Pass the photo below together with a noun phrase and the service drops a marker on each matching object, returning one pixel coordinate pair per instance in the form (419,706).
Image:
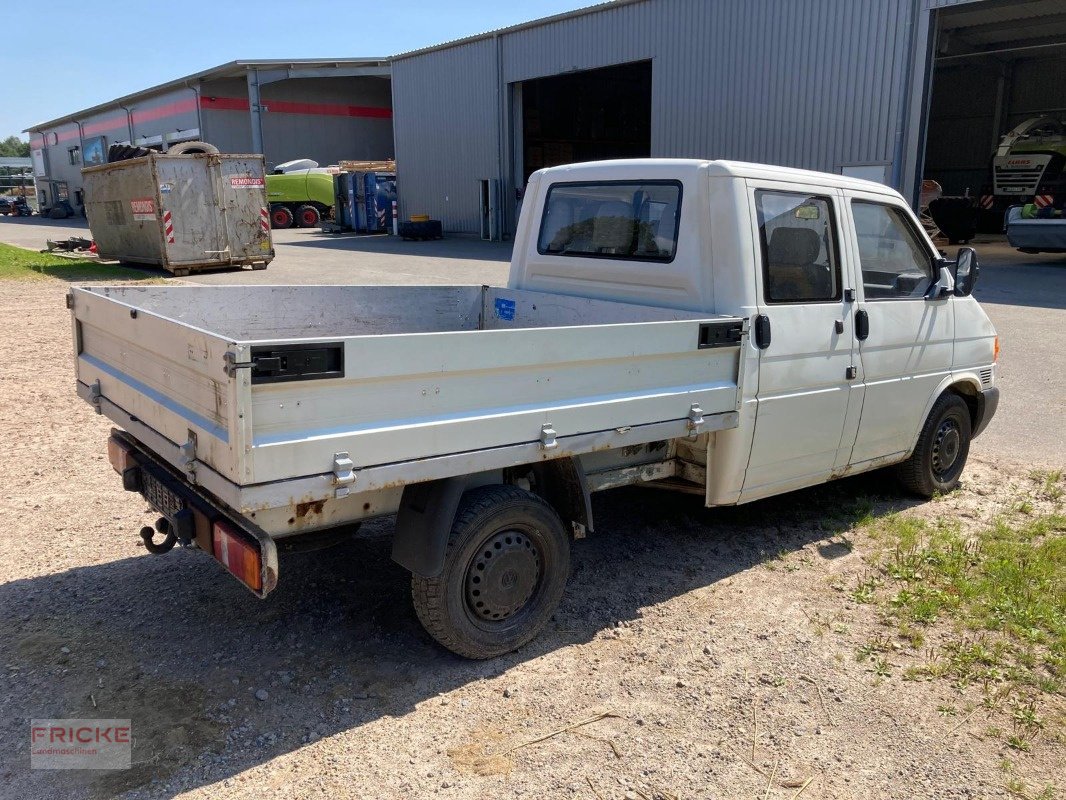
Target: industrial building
(897,91)
(892,90)
(324,110)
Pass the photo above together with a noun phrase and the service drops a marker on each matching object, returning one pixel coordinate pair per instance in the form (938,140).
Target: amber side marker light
(995,350)
(120,456)
(238,555)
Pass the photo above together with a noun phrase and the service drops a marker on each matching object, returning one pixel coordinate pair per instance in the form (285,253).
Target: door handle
(862,324)
(762,331)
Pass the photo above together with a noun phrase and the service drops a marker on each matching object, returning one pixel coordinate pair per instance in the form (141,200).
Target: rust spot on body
(311,507)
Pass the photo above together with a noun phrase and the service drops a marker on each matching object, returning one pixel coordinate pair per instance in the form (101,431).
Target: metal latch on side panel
(95,393)
(187,454)
(720,334)
(695,420)
(343,474)
(547,436)
(232,364)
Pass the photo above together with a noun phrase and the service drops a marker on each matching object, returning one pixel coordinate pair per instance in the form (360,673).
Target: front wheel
(938,459)
(505,569)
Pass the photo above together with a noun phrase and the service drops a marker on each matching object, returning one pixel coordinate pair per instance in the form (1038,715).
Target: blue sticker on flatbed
(504,309)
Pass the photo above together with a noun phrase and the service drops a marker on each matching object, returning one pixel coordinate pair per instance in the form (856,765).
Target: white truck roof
(620,169)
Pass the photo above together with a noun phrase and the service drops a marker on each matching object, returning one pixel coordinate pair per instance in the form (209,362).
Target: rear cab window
(622,220)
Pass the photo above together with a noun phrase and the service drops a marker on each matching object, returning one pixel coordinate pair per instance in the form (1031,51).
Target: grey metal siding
(326,119)
(342,122)
(929,4)
(165,113)
(446,116)
(819,84)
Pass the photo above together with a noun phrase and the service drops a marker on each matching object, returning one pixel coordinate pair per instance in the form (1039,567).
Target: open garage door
(586,116)
(997,113)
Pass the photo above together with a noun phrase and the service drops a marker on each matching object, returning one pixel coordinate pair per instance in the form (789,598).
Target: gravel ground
(698,633)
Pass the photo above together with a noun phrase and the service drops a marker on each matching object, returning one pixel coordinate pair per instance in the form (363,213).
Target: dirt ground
(701,637)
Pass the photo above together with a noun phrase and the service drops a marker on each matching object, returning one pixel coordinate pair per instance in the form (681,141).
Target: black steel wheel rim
(503,577)
(947,444)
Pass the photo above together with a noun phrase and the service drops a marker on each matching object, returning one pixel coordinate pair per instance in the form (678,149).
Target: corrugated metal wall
(947,3)
(326,119)
(165,113)
(446,121)
(809,83)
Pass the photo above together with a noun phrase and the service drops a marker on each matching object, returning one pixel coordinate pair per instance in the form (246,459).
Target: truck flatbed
(272,397)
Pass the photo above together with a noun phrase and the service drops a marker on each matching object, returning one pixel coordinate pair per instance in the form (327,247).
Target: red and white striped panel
(168,227)
(264,220)
(986,201)
(1043,200)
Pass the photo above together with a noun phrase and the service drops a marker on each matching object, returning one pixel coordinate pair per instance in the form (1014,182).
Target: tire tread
(428,594)
(912,473)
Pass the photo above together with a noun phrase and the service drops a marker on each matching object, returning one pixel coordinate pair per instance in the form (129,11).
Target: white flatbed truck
(729,330)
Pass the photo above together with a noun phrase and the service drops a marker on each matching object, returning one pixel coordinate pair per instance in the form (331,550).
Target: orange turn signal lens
(995,350)
(237,554)
(120,456)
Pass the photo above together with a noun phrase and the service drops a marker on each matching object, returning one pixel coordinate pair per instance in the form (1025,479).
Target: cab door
(905,335)
(808,380)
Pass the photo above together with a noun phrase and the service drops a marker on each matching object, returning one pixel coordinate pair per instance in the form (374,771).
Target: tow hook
(169,538)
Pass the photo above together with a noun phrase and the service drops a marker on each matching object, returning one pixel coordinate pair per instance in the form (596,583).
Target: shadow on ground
(79,271)
(176,645)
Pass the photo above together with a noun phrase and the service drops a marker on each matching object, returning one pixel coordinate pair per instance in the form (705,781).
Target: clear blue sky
(76,54)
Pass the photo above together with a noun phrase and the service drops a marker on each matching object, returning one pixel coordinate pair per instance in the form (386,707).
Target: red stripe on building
(290,107)
(188,105)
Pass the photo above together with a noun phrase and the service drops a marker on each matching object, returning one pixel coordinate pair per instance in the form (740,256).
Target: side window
(799,247)
(895,264)
(618,220)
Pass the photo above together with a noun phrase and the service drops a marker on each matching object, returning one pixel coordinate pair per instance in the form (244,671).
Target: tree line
(14,147)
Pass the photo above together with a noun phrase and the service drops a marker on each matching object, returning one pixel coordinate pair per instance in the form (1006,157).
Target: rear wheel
(505,569)
(308,217)
(943,446)
(281,217)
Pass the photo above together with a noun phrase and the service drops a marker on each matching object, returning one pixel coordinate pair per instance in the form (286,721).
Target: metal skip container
(184,213)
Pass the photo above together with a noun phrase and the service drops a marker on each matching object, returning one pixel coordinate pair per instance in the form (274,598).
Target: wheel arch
(427,510)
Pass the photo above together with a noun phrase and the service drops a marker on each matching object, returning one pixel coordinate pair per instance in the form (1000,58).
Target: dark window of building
(586,116)
(74,154)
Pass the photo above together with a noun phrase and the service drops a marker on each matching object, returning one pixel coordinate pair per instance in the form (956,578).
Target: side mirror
(966,271)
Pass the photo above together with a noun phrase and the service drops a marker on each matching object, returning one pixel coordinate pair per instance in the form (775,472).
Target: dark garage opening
(998,66)
(586,116)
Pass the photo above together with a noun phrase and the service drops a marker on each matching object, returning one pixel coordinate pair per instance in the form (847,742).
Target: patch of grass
(19,264)
(997,598)
(1050,483)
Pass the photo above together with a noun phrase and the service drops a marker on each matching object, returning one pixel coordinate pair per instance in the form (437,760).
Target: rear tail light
(120,456)
(237,554)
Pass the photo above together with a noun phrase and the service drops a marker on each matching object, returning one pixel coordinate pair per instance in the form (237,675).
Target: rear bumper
(195,513)
(987,403)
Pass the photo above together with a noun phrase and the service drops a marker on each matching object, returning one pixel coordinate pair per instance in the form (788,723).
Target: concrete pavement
(1025,296)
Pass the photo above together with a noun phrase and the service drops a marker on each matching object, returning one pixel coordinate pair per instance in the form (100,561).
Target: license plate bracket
(159,496)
